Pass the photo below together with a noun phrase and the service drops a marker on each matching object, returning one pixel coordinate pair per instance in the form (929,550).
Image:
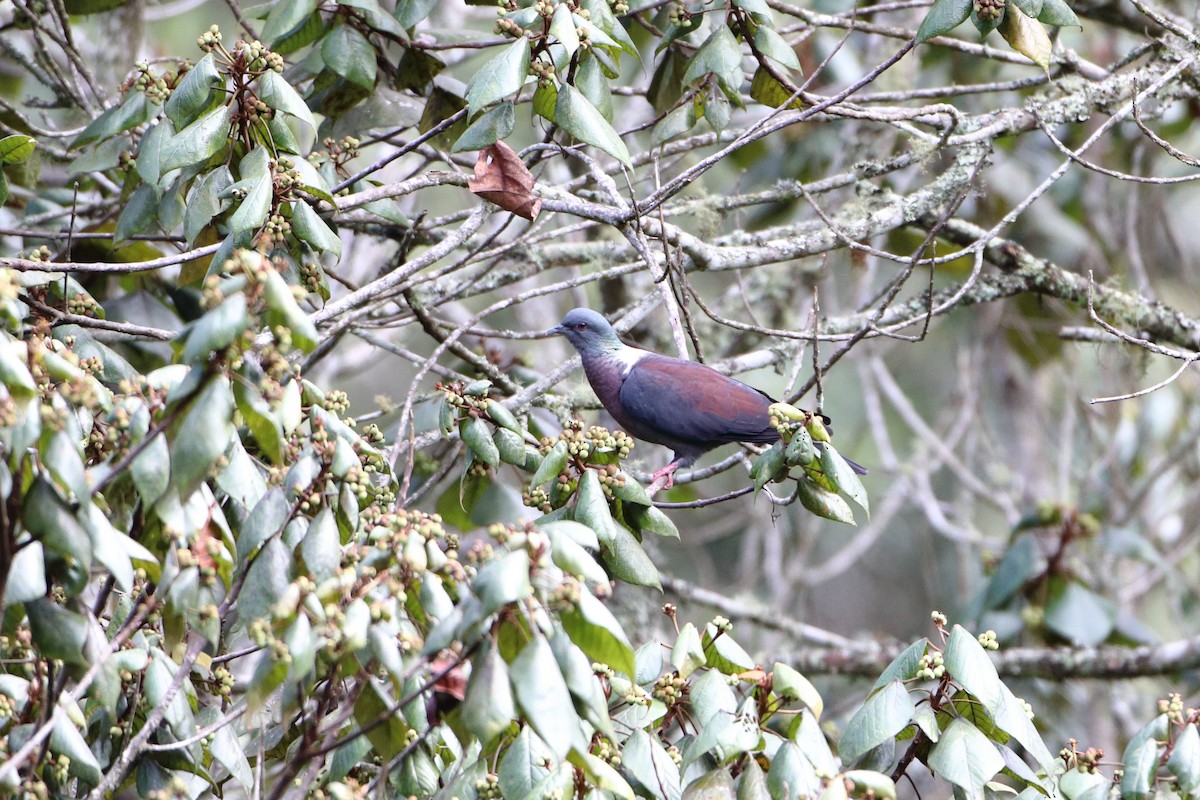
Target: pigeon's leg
(663,478)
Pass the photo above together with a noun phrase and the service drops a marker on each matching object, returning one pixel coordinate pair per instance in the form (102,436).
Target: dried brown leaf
(1026,36)
(501,177)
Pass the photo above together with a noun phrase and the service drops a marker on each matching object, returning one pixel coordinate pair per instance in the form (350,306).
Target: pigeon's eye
(581,326)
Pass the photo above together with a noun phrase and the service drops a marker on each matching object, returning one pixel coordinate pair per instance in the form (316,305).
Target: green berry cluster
(987,640)
(40,253)
(1172,706)
(670,689)
(259,57)
(156,87)
(677,14)
(209,40)
(488,787)
(1087,761)
(536,497)
(931,667)
(608,752)
(989,10)
(508,27)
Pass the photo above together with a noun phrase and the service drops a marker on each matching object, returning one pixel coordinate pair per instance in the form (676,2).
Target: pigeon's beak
(557,330)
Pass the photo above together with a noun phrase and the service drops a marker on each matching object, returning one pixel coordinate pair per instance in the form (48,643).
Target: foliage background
(986,249)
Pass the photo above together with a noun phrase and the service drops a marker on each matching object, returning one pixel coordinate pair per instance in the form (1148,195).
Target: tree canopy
(296,500)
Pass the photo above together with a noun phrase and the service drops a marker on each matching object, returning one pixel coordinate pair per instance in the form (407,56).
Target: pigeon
(688,407)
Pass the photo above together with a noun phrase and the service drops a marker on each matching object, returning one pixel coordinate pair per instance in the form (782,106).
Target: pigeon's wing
(685,402)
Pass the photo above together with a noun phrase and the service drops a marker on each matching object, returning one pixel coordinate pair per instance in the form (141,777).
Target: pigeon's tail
(854,465)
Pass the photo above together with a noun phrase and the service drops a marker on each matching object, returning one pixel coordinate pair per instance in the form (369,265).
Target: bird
(686,406)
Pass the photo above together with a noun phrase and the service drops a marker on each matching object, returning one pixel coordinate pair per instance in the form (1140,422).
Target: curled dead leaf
(501,177)
(1027,36)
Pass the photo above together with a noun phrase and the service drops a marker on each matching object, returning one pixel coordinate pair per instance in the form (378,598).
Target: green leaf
(578,117)
(598,773)
(720,55)
(1012,718)
(488,707)
(884,715)
(790,684)
(57,632)
(545,97)
(524,766)
(591,81)
(673,32)
(216,330)
(321,547)
(1031,7)
(943,17)
(1141,758)
(286,18)
(1078,614)
(723,653)
(198,142)
(139,213)
(627,561)
(582,683)
(15,375)
(276,92)
(765,89)
(65,464)
(843,476)
(1057,12)
(591,508)
(27,574)
(194,455)
(253,210)
(969,665)
(791,775)
(283,310)
(562,28)
(648,518)
(903,666)
(645,759)
(601,18)
(410,12)
(687,655)
(768,466)
(573,559)
(1184,761)
(205,201)
(580,534)
(596,632)
(133,111)
(492,126)
(312,230)
(478,438)
(965,757)
(199,87)
(543,698)
(823,502)
(775,47)
(150,149)
(348,54)
(551,465)
(503,75)
(52,522)
(65,739)
(16,148)
(502,581)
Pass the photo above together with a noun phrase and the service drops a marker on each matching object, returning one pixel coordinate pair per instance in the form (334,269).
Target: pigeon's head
(589,332)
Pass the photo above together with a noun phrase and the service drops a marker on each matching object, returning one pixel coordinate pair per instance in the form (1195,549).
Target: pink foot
(663,478)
